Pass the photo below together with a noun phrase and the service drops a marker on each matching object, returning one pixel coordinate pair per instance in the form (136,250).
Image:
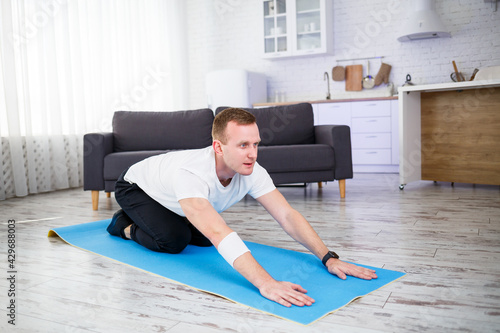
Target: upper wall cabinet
(297,27)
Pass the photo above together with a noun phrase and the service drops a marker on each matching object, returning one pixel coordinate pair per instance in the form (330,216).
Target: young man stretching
(171,200)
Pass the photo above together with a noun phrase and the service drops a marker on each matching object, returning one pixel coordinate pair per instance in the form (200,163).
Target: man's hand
(341,269)
(286,293)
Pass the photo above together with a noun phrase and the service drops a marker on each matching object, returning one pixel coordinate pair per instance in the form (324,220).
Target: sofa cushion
(296,158)
(145,130)
(284,125)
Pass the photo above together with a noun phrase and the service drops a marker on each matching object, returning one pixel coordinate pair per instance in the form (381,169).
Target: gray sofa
(292,150)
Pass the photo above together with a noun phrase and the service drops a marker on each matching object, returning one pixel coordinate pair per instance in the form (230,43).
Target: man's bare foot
(126,232)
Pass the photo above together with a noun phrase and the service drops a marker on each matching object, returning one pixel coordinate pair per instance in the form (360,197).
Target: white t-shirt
(170,177)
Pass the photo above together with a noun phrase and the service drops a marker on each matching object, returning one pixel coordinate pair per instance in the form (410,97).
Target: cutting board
(353,77)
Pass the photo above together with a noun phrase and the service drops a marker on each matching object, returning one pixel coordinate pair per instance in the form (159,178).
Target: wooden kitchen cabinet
(296,27)
(450,132)
(374,131)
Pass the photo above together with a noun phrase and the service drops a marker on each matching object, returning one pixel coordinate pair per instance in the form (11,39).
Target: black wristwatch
(329,255)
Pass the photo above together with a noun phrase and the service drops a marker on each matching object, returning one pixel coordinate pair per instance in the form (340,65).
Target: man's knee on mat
(173,245)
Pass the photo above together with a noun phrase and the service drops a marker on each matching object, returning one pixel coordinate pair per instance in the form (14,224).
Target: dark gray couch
(292,150)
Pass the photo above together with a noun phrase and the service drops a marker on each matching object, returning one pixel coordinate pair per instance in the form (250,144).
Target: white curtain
(66,66)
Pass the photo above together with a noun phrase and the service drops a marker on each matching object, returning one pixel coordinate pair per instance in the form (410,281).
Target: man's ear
(217,145)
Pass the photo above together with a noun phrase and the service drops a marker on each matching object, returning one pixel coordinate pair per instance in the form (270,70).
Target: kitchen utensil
(456,78)
(408,81)
(383,74)
(474,74)
(338,73)
(368,81)
(459,77)
(354,77)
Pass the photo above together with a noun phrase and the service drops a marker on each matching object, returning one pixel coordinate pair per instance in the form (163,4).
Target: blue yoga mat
(204,269)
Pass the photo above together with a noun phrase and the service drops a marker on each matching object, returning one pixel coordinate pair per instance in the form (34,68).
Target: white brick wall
(227,34)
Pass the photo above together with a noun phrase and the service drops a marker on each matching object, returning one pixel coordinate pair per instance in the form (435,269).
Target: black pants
(154,226)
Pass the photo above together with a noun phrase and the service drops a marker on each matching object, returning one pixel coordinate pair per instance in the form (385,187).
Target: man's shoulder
(197,161)
(259,170)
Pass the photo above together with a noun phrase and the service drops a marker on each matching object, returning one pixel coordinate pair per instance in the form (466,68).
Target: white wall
(226,34)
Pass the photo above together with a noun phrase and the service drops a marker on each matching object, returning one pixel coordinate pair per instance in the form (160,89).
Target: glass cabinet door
(297,27)
(308,18)
(275,26)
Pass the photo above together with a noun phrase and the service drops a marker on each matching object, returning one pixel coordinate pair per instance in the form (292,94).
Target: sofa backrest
(284,125)
(146,130)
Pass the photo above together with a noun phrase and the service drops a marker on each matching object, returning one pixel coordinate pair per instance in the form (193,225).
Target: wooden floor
(446,238)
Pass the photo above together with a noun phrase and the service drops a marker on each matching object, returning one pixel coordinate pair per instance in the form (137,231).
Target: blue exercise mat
(204,269)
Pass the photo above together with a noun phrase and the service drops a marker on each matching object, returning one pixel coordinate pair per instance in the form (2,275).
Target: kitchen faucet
(325,77)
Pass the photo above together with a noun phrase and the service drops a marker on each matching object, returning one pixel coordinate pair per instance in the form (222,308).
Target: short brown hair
(240,116)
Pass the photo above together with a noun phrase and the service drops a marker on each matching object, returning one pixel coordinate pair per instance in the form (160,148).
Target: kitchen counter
(450,132)
(327,101)
(450,86)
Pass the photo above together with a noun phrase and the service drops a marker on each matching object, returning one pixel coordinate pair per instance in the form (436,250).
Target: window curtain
(66,66)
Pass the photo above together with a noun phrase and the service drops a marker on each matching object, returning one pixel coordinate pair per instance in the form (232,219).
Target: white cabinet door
(297,27)
(334,113)
(277,28)
(313,26)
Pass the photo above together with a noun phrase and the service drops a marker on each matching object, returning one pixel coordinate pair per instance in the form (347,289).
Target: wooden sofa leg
(95,200)
(320,184)
(108,194)
(342,188)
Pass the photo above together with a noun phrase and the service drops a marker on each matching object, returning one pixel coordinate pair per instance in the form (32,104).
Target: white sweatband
(232,247)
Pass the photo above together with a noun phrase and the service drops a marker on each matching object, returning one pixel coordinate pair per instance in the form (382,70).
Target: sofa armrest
(339,138)
(95,147)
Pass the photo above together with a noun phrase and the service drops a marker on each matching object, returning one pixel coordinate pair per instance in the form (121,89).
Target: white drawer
(371,109)
(371,125)
(369,140)
(371,156)
(334,113)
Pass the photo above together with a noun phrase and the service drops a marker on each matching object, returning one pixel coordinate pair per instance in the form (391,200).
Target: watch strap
(329,255)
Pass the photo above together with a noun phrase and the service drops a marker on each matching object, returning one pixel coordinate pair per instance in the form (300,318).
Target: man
(172,200)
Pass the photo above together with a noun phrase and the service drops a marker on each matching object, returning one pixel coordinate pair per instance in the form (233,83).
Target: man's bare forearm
(299,229)
(251,270)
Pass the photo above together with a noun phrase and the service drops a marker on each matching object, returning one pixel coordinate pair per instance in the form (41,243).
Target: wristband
(232,247)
